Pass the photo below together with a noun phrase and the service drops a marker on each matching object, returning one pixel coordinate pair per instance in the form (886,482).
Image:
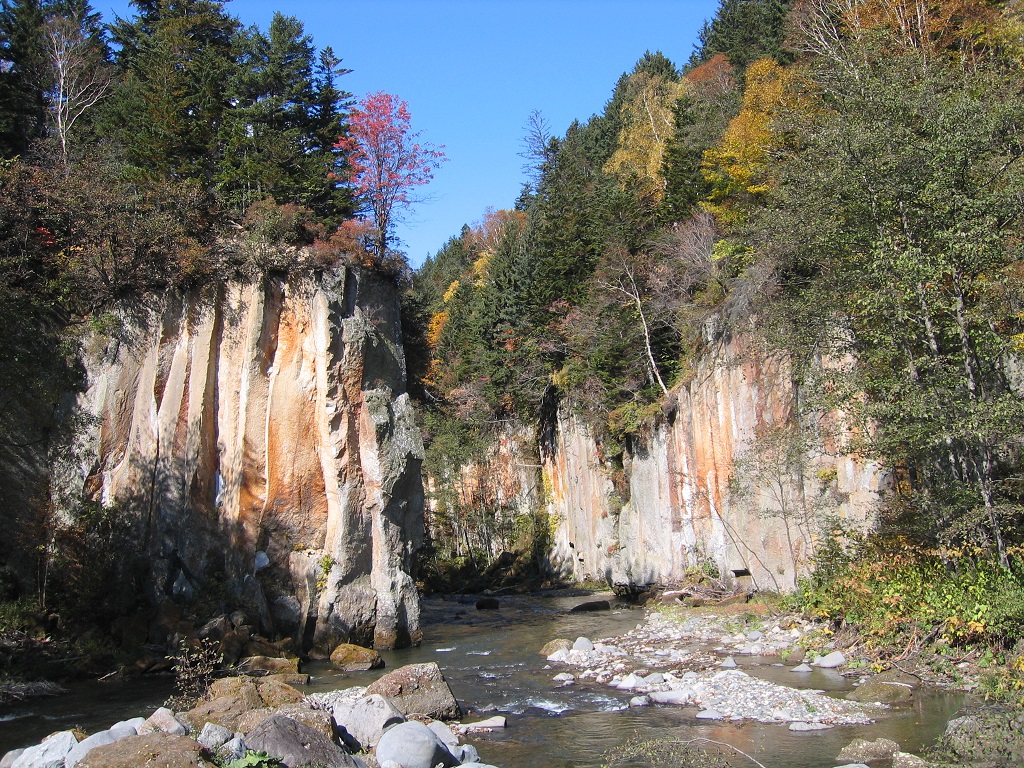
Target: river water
(491,661)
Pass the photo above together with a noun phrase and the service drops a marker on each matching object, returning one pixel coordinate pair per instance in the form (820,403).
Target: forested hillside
(841,181)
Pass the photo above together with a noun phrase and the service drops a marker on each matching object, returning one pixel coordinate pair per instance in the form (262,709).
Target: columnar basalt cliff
(713,482)
(262,433)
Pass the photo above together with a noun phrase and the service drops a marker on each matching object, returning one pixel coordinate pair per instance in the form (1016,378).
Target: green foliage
(744,30)
(893,589)
(255,760)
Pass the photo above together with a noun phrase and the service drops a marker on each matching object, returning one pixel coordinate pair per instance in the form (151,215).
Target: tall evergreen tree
(24,75)
(744,30)
(168,110)
(278,138)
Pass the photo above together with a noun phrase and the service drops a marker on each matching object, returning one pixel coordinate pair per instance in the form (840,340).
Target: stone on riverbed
(863,750)
(162,749)
(583,644)
(413,745)
(593,605)
(892,687)
(354,658)
(163,720)
(799,725)
(366,719)
(680,698)
(296,744)
(552,646)
(82,748)
(418,689)
(801,668)
(490,724)
(49,754)
(831,661)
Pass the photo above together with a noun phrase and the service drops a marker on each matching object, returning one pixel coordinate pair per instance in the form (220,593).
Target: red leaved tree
(387,162)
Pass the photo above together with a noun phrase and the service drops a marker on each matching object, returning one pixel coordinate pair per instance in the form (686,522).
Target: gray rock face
(418,689)
(214,736)
(413,745)
(82,748)
(296,744)
(314,512)
(366,719)
(51,753)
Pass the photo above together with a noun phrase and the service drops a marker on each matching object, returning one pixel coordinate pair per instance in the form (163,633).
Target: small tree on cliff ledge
(387,161)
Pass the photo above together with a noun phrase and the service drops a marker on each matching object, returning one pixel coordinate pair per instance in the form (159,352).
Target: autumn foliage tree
(388,162)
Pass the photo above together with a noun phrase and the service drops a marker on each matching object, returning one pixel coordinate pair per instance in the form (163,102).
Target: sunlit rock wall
(671,505)
(262,433)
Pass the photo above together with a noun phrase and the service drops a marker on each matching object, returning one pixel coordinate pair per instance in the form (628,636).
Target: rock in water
(583,644)
(487,604)
(833,660)
(355,658)
(593,605)
(413,745)
(552,646)
(418,689)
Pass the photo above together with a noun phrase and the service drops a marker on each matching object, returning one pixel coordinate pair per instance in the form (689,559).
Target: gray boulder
(833,660)
(163,720)
(418,689)
(82,748)
(8,759)
(862,750)
(296,744)
(51,753)
(214,736)
(232,750)
(583,644)
(413,745)
(365,719)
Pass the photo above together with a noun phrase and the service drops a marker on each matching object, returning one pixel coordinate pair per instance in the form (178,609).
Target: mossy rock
(553,646)
(354,658)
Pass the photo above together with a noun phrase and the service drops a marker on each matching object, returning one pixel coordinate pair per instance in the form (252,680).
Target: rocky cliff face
(723,479)
(262,435)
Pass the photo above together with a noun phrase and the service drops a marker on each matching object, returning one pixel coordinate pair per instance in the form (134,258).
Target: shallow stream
(491,661)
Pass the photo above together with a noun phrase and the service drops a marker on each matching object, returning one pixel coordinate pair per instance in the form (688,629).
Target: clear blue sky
(473,70)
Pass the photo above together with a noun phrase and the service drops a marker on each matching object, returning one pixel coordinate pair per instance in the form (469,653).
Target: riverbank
(490,659)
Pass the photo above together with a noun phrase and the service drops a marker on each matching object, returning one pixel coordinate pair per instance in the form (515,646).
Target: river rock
(552,646)
(891,687)
(559,655)
(592,605)
(490,724)
(709,714)
(82,748)
(296,744)
(863,750)
(317,719)
(354,658)
(680,698)
(802,726)
(831,661)
(630,682)
(50,753)
(907,760)
(418,689)
(126,728)
(583,644)
(153,750)
(413,745)
(366,719)
(214,736)
(163,720)
(232,750)
(8,759)
(640,701)
(801,668)
(728,663)
(232,697)
(273,664)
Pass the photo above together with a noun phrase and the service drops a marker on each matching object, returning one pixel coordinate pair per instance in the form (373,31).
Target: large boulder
(295,744)
(232,697)
(418,689)
(154,750)
(316,719)
(553,646)
(273,664)
(366,719)
(892,687)
(354,658)
(413,745)
(863,750)
(51,753)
